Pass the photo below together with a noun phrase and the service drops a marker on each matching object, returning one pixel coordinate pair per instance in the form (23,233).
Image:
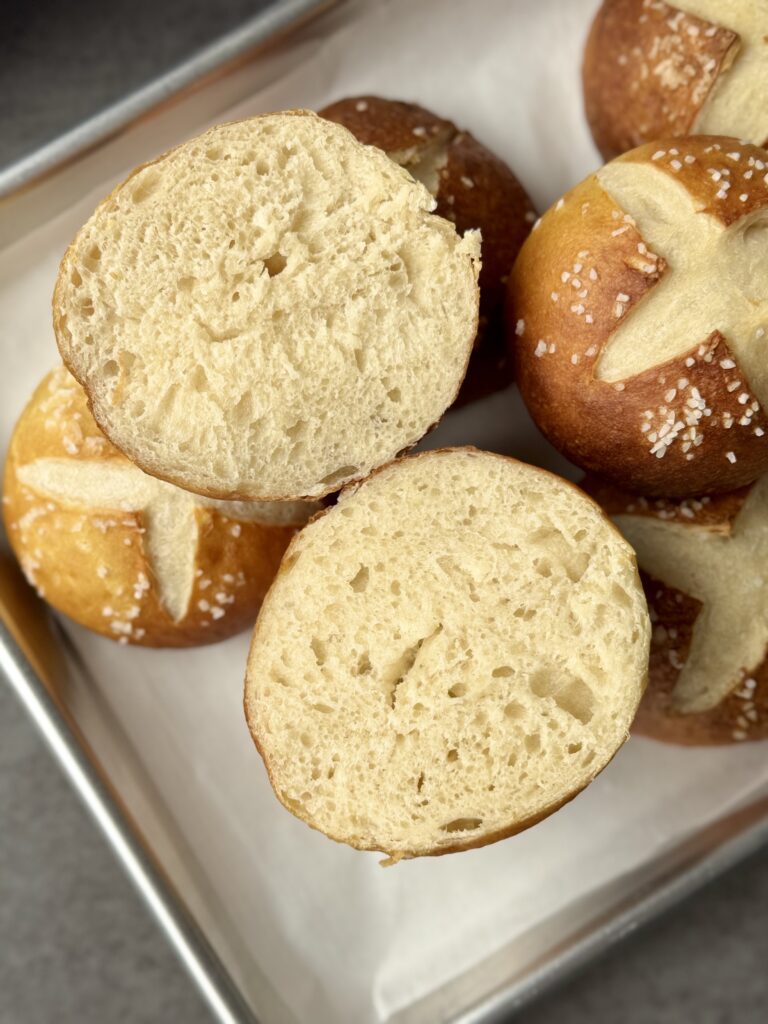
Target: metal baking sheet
(154,741)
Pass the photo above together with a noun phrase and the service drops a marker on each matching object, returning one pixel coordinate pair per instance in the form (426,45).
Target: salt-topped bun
(655,69)
(643,318)
(123,553)
(704,566)
(446,656)
(474,188)
(268,311)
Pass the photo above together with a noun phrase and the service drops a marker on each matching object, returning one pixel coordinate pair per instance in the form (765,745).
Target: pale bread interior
(451,652)
(729,574)
(736,105)
(168,513)
(715,280)
(268,311)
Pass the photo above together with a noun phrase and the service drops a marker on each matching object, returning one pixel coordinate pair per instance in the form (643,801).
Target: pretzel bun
(653,69)
(704,567)
(474,189)
(268,311)
(446,656)
(124,554)
(642,335)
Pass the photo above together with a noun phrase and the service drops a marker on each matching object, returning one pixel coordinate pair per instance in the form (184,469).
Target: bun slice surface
(268,311)
(446,656)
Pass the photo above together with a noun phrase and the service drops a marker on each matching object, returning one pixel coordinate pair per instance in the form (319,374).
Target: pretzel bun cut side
(473,188)
(446,656)
(268,311)
(703,566)
(122,553)
(642,330)
(653,69)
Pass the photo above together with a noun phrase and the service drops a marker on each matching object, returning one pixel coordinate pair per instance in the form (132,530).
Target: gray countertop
(76,945)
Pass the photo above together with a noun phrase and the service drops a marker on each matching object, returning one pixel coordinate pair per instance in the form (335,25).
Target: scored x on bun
(642,333)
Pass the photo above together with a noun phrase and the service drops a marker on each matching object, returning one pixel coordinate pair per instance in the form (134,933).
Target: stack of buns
(277,310)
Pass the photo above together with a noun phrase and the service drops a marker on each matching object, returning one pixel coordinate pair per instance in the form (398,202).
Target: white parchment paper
(337,937)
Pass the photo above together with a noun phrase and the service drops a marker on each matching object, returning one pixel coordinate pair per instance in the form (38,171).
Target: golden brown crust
(91,564)
(586,243)
(394,856)
(473,189)
(648,69)
(743,714)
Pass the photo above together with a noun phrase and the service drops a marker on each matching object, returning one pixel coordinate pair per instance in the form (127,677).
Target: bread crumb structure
(644,313)
(654,69)
(447,656)
(704,565)
(268,311)
(473,188)
(125,554)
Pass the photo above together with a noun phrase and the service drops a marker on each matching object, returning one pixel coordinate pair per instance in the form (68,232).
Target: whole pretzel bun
(474,188)
(642,330)
(123,554)
(653,69)
(704,566)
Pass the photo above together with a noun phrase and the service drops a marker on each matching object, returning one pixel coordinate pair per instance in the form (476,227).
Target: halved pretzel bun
(474,188)
(268,311)
(653,69)
(446,656)
(704,567)
(641,345)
